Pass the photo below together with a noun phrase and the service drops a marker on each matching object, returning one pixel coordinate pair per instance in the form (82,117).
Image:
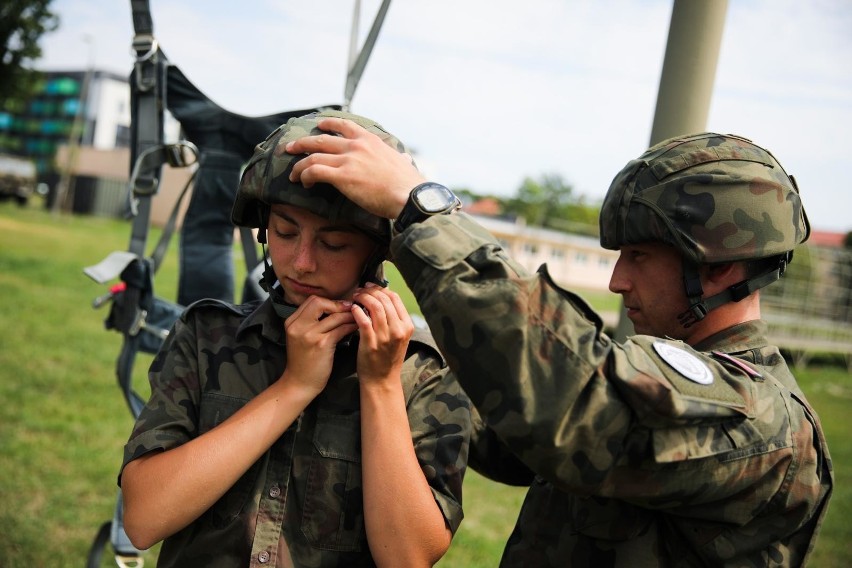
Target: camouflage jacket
(647,453)
(301,503)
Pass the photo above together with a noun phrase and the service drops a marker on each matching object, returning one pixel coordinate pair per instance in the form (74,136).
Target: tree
(550,202)
(22,23)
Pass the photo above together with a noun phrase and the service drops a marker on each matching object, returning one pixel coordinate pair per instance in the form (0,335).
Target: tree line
(546,201)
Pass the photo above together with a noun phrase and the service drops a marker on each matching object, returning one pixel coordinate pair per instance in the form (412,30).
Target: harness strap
(147,104)
(169,228)
(147,88)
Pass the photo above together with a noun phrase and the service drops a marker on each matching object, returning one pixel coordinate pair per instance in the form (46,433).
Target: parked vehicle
(17,178)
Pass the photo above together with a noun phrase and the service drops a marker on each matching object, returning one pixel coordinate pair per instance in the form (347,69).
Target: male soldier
(276,437)
(690,444)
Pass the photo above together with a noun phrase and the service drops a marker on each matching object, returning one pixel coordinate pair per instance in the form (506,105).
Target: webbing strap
(698,307)
(147,84)
(146,94)
(169,228)
(142,22)
(249,248)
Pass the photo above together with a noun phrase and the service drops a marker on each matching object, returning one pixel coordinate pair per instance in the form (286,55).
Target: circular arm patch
(684,363)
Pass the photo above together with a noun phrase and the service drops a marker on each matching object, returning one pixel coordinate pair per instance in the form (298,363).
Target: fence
(809,311)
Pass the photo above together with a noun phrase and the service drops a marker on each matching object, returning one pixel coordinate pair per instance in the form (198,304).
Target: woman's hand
(401,532)
(385,328)
(313,332)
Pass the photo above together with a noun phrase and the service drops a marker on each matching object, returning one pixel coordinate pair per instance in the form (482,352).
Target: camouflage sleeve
(575,408)
(502,331)
(490,457)
(169,418)
(439,417)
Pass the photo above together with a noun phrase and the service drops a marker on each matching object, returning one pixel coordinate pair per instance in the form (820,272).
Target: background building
(78,124)
(97,101)
(574,261)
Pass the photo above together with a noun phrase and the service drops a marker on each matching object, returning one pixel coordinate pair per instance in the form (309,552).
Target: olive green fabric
(716,198)
(301,503)
(646,453)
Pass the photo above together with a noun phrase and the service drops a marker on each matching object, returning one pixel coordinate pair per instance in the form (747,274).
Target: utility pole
(64,198)
(686,82)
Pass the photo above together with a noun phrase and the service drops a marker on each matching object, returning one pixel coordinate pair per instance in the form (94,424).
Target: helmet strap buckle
(694,291)
(693,314)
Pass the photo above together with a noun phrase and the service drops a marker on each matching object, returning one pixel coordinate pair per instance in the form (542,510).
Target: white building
(574,261)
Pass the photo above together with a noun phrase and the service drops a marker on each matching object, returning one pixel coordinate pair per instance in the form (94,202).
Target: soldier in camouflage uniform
(317,428)
(689,444)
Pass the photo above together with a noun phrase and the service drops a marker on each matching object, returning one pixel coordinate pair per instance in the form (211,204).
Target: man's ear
(720,276)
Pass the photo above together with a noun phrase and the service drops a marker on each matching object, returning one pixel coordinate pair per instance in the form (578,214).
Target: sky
(489,92)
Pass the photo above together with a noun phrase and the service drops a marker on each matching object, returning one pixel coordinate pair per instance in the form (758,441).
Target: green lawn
(63,421)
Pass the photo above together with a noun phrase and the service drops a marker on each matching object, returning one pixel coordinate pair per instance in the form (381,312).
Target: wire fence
(809,311)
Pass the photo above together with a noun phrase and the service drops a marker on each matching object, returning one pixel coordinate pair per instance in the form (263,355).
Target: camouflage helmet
(716,198)
(265,180)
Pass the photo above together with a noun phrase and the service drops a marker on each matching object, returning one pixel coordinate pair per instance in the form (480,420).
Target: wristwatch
(424,201)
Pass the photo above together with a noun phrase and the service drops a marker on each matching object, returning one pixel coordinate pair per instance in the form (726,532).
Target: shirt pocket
(231,507)
(333,514)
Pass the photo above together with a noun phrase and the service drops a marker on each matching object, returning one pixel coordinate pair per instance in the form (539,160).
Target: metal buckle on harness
(146,45)
(178,155)
(181,154)
(145,48)
(129,561)
(140,322)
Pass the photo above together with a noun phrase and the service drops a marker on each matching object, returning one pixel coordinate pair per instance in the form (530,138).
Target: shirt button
(263,557)
(275,491)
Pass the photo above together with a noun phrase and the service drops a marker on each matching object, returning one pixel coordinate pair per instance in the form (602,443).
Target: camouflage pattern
(716,198)
(265,179)
(301,503)
(635,463)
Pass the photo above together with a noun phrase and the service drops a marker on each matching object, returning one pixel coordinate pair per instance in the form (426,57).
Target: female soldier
(315,428)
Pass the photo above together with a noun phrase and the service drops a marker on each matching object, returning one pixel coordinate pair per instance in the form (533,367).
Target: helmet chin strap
(698,307)
(269,282)
(371,268)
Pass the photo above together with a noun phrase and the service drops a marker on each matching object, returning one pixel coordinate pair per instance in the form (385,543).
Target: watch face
(434,198)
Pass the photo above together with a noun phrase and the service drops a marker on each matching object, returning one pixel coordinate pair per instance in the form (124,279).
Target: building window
(70,106)
(557,253)
(62,86)
(581,257)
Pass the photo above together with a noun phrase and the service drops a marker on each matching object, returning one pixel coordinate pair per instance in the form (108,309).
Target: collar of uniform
(736,339)
(263,315)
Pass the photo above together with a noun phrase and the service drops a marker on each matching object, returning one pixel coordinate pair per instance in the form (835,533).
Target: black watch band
(424,201)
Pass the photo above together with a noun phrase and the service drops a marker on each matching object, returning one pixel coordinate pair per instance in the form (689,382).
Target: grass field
(63,421)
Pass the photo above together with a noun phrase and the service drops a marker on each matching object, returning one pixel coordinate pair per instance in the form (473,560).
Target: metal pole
(353,47)
(686,82)
(64,198)
(689,68)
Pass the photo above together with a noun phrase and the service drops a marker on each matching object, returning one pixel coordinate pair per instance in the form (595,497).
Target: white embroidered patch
(684,363)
